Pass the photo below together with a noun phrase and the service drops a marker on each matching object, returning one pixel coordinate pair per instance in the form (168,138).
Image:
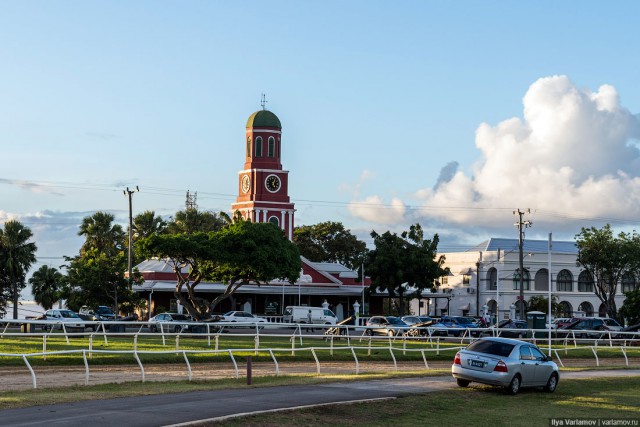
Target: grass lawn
(475,406)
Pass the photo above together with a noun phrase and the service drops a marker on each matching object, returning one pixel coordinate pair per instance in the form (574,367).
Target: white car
(248,319)
(70,319)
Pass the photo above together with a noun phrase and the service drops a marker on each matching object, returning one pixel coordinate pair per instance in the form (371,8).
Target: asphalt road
(169,409)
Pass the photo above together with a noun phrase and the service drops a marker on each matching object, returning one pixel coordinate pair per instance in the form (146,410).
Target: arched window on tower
(278,148)
(259,146)
(248,146)
(272,147)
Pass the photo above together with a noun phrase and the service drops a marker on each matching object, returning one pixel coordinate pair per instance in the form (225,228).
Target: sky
(450,114)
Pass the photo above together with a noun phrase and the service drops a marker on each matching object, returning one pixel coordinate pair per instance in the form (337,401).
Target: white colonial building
(481,279)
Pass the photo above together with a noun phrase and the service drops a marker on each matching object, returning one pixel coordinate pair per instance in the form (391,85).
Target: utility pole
(130,260)
(521,225)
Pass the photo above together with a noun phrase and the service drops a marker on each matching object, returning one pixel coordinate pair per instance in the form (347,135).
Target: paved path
(168,409)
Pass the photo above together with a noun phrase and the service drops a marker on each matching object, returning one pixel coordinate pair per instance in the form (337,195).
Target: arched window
(565,309)
(586,308)
(274,220)
(492,306)
(492,278)
(564,281)
(259,146)
(602,310)
(518,305)
(542,280)
(248,146)
(278,148)
(272,147)
(628,282)
(525,280)
(585,282)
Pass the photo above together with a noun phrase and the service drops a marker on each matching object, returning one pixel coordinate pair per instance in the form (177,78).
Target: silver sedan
(507,363)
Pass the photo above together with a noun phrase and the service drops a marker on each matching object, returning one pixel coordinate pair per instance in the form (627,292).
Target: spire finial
(263,101)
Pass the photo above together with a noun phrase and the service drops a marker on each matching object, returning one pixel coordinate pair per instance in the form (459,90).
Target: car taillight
(456,360)
(501,367)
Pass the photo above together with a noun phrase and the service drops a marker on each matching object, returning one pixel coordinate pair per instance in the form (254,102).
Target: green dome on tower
(263,118)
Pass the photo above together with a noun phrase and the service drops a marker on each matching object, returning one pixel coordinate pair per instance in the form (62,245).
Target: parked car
(589,327)
(244,317)
(509,328)
(70,319)
(385,325)
(421,329)
(99,313)
(170,322)
(412,320)
(558,322)
(456,326)
(507,363)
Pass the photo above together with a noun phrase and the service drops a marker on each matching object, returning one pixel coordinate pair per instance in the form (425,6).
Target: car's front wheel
(462,383)
(370,332)
(390,333)
(552,383)
(514,385)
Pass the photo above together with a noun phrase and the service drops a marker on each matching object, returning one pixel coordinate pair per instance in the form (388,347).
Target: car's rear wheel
(552,383)
(389,333)
(369,332)
(462,383)
(514,385)
(176,329)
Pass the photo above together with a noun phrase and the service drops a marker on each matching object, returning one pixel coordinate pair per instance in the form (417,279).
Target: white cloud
(573,153)
(373,209)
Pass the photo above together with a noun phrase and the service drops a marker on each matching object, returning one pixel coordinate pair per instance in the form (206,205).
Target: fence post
(44,347)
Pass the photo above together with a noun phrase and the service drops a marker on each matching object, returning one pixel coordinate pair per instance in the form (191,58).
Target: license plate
(477,363)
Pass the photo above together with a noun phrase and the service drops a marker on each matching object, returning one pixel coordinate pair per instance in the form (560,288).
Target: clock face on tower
(246,184)
(272,183)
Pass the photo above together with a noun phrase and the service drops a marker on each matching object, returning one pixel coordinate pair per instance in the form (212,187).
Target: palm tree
(101,234)
(17,255)
(46,285)
(146,224)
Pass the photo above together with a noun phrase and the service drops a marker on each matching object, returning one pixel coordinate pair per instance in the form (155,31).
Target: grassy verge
(476,406)
(242,345)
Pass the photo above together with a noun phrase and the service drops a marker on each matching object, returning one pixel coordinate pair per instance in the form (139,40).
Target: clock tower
(262,184)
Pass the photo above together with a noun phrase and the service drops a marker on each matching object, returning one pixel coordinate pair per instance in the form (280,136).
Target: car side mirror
(548,359)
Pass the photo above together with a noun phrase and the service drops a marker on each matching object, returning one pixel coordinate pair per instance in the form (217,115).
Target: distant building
(478,279)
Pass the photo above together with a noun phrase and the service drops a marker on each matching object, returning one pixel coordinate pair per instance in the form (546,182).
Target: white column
(282,216)
(290,225)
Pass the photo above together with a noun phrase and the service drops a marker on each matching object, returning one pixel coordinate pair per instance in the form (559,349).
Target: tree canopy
(607,258)
(541,303)
(47,284)
(192,221)
(329,242)
(406,261)
(630,309)
(17,254)
(96,276)
(238,254)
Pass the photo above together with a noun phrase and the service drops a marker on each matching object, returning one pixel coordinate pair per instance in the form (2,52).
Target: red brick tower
(262,185)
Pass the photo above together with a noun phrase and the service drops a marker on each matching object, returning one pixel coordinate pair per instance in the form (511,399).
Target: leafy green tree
(96,276)
(17,254)
(541,303)
(193,221)
(144,225)
(329,242)
(47,284)
(607,258)
(241,253)
(101,234)
(630,309)
(400,262)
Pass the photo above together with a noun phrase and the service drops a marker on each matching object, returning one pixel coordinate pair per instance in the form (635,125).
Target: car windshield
(611,322)
(229,313)
(104,310)
(463,321)
(68,314)
(180,317)
(495,348)
(395,321)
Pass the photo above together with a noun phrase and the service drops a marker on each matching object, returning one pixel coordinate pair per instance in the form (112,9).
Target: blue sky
(450,114)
